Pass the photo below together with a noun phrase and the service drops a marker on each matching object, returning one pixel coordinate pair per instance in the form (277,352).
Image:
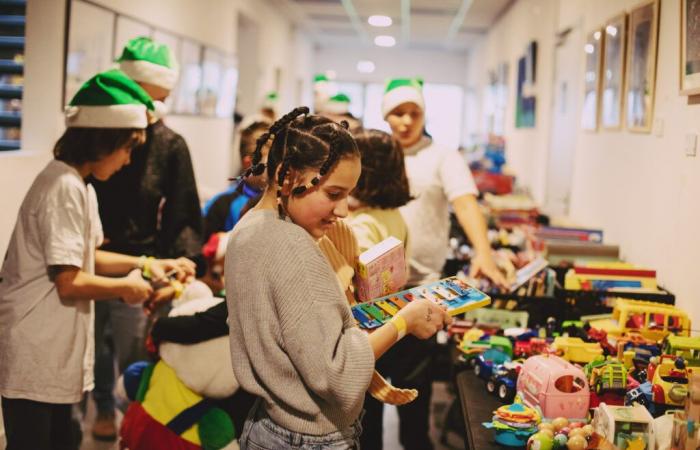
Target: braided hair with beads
(302,142)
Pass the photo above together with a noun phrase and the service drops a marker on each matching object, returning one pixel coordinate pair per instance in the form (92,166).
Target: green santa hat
(270,100)
(149,62)
(338,104)
(109,100)
(402,90)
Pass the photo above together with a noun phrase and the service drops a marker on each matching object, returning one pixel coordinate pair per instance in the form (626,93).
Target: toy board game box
(451,292)
(381,270)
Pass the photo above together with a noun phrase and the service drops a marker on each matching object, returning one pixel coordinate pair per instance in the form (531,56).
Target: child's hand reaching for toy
(180,269)
(159,296)
(424,318)
(135,289)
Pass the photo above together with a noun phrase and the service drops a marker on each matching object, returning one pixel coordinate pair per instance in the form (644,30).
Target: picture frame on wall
(526,101)
(613,73)
(690,47)
(642,46)
(89,45)
(591,98)
(127,29)
(190,82)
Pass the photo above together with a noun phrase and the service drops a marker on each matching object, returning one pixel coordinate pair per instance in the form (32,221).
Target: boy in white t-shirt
(48,275)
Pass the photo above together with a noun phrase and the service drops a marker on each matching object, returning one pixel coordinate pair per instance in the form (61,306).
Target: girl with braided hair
(293,338)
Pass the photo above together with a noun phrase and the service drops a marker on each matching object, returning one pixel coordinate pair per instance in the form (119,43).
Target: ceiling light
(385,41)
(379,21)
(589,49)
(611,30)
(596,35)
(365,66)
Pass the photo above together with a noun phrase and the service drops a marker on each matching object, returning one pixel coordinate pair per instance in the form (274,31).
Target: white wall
(210,21)
(525,21)
(640,188)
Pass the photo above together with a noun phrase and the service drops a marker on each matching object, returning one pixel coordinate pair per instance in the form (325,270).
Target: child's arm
(111,264)
(472,221)
(74,284)
(414,316)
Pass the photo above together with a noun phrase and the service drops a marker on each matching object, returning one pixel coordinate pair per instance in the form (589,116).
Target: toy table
(477,407)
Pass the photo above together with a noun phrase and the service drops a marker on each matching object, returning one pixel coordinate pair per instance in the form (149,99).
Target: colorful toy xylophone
(452,292)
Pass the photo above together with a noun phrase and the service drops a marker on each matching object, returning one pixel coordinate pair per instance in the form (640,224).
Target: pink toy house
(554,387)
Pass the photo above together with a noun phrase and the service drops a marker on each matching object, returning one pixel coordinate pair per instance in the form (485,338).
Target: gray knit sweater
(293,338)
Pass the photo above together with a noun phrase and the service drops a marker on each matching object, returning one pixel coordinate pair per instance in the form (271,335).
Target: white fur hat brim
(335,107)
(151,73)
(109,116)
(400,95)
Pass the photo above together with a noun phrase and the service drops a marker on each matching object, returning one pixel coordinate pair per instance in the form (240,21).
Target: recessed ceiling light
(385,41)
(365,66)
(379,21)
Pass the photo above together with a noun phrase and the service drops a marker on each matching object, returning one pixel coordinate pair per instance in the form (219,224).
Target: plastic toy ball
(565,431)
(588,429)
(540,441)
(577,432)
(548,431)
(560,441)
(546,426)
(577,443)
(560,422)
(576,425)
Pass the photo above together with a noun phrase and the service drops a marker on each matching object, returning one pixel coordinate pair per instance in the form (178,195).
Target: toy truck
(554,387)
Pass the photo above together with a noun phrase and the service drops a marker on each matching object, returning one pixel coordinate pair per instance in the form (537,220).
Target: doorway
(566,100)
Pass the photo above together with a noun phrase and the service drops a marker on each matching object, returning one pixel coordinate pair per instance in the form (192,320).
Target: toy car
(483,368)
(554,387)
(576,350)
(606,375)
(641,395)
(669,382)
(503,381)
(652,320)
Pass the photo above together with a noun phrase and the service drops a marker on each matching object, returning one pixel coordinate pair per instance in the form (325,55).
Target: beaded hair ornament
(281,129)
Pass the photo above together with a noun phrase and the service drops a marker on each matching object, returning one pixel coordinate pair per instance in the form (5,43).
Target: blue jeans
(261,433)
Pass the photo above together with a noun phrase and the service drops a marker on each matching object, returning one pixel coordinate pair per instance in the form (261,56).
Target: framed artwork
(128,29)
(212,70)
(227,88)
(496,100)
(525,90)
(96,36)
(690,47)
(591,105)
(190,81)
(89,45)
(613,73)
(641,66)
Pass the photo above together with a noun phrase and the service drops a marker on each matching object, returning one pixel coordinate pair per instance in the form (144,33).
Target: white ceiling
(417,24)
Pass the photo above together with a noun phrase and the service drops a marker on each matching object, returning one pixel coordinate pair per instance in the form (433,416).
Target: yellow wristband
(178,287)
(146,269)
(400,324)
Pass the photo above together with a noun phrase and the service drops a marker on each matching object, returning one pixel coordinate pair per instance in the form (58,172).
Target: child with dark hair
(224,210)
(284,298)
(48,277)
(381,190)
